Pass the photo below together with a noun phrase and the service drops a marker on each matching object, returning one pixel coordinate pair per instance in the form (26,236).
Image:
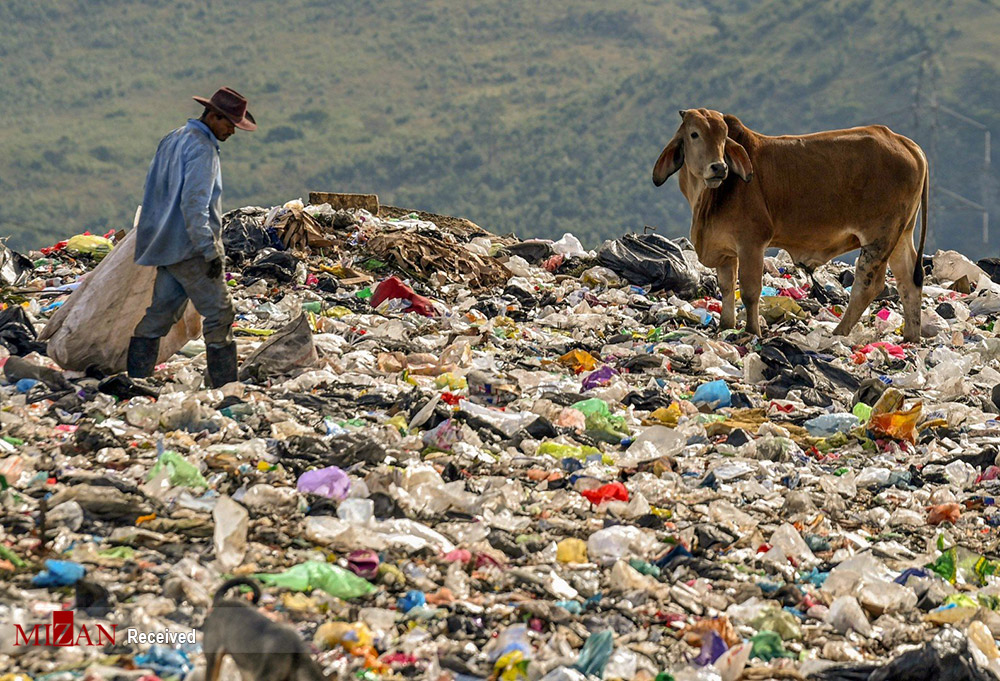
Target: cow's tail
(918,268)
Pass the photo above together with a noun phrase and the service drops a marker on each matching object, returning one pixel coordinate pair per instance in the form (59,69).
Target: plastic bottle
(230,536)
(827,425)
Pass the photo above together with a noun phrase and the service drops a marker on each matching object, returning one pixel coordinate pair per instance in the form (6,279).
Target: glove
(214,270)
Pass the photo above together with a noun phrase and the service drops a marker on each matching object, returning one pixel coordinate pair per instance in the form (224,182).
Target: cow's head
(702,144)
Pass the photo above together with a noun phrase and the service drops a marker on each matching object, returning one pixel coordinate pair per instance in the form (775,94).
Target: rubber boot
(221,364)
(142,353)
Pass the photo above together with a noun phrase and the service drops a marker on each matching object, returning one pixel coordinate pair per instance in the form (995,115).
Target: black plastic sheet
(650,260)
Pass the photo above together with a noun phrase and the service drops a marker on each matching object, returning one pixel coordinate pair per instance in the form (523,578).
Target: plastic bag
(579,361)
(330,482)
(951,266)
(14,267)
(310,575)
(394,289)
(595,653)
(180,472)
(95,324)
(898,425)
(273,265)
(59,573)
(775,309)
(571,550)
(90,244)
(601,420)
(244,236)
(347,635)
(947,657)
(650,260)
(230,534)
(767,645)
(16,332)
(289,349)
(715,394)
(614,491)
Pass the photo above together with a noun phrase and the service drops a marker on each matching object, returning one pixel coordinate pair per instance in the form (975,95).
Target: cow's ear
(670,161)
(738,159)
(683,112)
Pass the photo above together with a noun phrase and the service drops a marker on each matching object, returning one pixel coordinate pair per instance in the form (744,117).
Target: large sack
(95,324)
(288,350)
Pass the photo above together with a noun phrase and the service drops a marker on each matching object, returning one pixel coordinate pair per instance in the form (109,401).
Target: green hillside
(524,116)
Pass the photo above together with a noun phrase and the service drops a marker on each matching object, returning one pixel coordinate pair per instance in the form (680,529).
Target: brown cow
(816,196)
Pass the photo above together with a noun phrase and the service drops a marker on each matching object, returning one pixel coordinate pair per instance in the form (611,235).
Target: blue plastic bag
(59,573)
(716,394)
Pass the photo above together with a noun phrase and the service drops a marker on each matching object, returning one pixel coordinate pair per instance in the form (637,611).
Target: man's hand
(214,270)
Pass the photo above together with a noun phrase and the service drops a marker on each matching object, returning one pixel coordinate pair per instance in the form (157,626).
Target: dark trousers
(183,281)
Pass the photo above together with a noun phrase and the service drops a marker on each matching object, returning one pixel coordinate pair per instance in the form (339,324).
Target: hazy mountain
(522,115)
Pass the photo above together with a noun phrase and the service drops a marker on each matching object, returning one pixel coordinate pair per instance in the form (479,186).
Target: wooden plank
(337,201)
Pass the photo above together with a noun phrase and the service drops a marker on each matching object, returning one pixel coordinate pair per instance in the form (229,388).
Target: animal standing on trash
(179,233)
(816,196)
(262,650)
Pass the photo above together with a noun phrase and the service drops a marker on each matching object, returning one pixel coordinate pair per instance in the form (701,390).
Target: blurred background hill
(525,116)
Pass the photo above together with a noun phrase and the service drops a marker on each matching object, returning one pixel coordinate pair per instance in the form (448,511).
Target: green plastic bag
(596,653)
(312,574)
(600,420)
(561,451)
(957,562)
(781,622)
(182,473)
(767,645)
(90,244)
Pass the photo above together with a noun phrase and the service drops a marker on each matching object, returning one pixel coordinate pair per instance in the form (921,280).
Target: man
(179,232)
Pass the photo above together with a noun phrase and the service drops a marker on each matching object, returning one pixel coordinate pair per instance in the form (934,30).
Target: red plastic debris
(392,288)
(614,491)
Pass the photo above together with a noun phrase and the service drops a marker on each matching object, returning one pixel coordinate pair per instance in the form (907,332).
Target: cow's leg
(903,260)
(869,280)
(751,269)
(727,283)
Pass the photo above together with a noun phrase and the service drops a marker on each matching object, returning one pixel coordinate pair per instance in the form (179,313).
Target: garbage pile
(455,455)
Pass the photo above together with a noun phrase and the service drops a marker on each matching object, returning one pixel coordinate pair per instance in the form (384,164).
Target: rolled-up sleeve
(201,166)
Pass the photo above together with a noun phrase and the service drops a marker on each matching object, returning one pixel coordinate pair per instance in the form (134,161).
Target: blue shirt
(181,215)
